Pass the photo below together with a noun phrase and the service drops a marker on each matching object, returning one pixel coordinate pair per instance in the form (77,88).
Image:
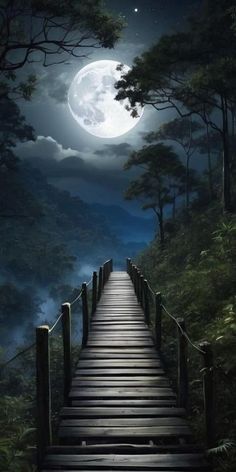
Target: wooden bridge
(120,412)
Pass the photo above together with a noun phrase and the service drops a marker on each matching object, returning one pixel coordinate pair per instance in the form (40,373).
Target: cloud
(59,92)
(44,147)
(117,150)
(96,176)
(52,84)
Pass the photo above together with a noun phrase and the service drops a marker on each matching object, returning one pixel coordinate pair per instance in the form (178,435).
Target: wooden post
(158,320)
(66,335)
(133,274)
(146,301)
(136,282)
(85,314)
(208,391)
(139,285)
(44,426)
(141,290)
(128,263)
(111,265)
(100,282)
(182,400)
(104,278)
(94,293)
(135,278)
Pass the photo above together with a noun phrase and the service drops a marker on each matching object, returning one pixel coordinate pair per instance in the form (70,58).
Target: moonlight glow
(91,101)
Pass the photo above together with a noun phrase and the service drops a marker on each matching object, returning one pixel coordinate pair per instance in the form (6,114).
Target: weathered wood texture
(120,398)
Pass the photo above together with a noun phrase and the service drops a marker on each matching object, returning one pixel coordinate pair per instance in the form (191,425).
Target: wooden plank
(138,460)
(125,309)
(120,325)
(139,432)
(122,392)
(141,403)
(91,469)
(120,334)
(125,350)
(80,382)
(119,371)
(116,318)
(122,422)
(128,462)
(124,448)
(125,378)
(138,342)
(132,363)
(119,316)
(101,412)
(117,355)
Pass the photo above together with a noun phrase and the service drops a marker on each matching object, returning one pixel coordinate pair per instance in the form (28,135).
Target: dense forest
(193,260)
(187,179)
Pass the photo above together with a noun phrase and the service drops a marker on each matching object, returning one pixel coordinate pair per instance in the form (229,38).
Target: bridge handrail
(183,332)
(142,289)
(43,333)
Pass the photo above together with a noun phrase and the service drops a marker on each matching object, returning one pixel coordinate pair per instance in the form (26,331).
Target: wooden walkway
(122,413)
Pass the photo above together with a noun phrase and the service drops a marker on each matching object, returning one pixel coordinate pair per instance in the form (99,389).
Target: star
(136,10)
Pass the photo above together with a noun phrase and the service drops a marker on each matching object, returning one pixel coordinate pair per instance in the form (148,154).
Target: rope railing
(44,394)
(76,299)
(143,289)
(56,323)
(182,331)
(19,354)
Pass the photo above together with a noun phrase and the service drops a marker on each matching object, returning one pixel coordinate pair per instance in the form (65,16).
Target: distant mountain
(46,233)
(126,226)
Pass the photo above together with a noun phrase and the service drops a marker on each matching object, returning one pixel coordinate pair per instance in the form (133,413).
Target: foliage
(18,407)
(49,32)
(23,302)
(192,72)
(13,130)
(161,181)
(181,131)
(196,274)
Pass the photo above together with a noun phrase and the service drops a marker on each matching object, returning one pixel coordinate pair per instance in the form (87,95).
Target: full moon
(91,100)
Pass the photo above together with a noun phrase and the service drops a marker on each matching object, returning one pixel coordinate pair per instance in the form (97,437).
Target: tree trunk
(161,228)
(210,176)
(226,159)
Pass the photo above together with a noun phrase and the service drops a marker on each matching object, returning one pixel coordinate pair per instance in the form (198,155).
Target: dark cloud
(94,176)
(74,168)
(58,91)
(117,150)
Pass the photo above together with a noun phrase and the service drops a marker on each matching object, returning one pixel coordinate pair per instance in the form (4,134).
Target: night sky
(71,158)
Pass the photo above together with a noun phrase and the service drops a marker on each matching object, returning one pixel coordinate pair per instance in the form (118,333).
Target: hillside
(126,226)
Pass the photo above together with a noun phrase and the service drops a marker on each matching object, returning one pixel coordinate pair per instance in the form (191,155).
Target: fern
(225,446)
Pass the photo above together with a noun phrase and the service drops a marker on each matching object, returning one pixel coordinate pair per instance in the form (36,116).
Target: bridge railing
(43,335)
(144,293)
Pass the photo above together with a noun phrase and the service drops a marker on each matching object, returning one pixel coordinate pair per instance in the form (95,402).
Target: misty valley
(51,243)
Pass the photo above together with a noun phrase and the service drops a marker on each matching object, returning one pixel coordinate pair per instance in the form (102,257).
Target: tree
(192,72)
(161,181)
(181,131)
(49,31)
(13,129)
(210,144)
